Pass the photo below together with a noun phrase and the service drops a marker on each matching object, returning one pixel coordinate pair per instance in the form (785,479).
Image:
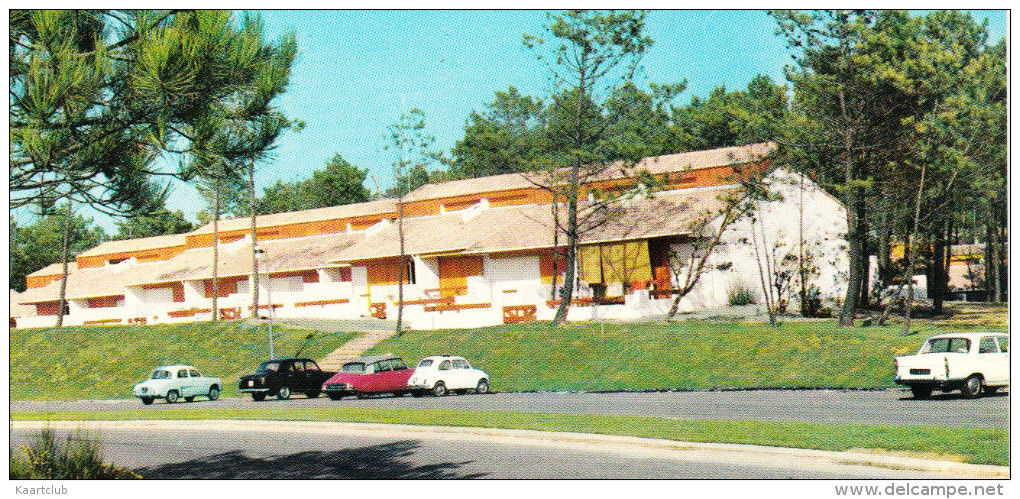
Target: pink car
(369,375)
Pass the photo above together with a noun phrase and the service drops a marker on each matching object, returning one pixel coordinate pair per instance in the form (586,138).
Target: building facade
(479,252)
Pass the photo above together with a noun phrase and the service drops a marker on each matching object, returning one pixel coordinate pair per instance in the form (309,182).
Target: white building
(479,252)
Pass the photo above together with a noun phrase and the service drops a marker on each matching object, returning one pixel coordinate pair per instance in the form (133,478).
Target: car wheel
(147,400)
(189,399)
(483,386)
(990,390)
(439,389)
(312,394)
(921,392)
(283,393)
(334,395)
(172,396)
(971,387)
(258,396)
(214,392)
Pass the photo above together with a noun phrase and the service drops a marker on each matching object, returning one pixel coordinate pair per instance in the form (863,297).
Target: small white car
(440,374)
(175,382)
(970,362)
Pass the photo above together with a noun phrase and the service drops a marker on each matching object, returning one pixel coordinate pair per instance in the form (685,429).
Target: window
(1003,344)
(160,374)
(268,367)
(298,366)
(382,366)
(311,366)
(398,364)
(353,367)
(460,364)
(183,373)
(946,345)
(409,272)
(425,363)
(987,345)
(195,374)
(445,365)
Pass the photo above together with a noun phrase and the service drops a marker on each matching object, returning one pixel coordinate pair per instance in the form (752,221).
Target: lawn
(972,445)
(685,355)
(103,362)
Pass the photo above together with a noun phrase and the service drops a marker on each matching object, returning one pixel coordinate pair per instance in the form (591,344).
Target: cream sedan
(440,374)
(175,382)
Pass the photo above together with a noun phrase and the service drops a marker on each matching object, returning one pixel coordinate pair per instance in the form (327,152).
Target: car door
(299,382)
(199,383)
(184,383)
(383,373)
(285,376)
(993,364)
(460,375)
(313,376)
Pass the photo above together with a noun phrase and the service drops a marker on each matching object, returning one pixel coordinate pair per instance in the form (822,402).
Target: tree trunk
(64,250)
(254,246)
(938,270)
(908,307)
(556,243)
(569,278)
(216,254)
(855,223)
(402,263)
(991,267)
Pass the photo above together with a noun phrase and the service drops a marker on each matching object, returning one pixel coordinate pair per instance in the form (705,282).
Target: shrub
(79,458)
(741,296)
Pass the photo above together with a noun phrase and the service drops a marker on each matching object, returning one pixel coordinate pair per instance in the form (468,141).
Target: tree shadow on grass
(387,461)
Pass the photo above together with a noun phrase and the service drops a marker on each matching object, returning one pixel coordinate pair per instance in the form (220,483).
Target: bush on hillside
(79,458)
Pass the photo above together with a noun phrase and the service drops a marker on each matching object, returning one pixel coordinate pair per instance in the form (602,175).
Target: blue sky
(357,71)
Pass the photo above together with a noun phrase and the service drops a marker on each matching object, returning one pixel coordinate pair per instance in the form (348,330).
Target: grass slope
(105,361)
(972,445)
(687,355)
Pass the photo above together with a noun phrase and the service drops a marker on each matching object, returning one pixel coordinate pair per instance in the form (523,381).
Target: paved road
(821,406)
(226,450)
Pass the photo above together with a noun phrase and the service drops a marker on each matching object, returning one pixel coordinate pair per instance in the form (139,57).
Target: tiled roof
(17,309)
(140,244)
(54,269)
(315,215)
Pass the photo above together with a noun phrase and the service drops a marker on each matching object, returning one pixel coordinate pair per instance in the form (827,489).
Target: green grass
(105,361)
(687,355)
(973,445)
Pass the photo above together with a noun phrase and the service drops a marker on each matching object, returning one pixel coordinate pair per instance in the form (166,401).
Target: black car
(284,376)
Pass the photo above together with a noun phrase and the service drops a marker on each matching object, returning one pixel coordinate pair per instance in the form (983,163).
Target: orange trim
(104,321)
(320,302)
(520,313)
(457,306)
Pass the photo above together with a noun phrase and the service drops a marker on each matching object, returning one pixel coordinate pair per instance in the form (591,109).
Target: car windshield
(160,374)
(425,363)
(946,345)
(354,367)
(268,367)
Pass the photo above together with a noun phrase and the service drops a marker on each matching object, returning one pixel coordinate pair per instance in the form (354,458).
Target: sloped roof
(313,215)
(17,309)
(656,165)
(530,227)
(140,244)
(54,269)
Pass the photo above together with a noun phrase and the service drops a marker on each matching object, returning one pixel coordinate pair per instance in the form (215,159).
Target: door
(460,375)
(993,363)
(185,383)
(454,271)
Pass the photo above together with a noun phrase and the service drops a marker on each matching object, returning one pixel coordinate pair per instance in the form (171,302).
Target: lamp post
(269,296)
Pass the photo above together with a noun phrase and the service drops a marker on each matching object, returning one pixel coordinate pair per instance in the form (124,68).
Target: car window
(161,374)
(311,366)
(460,364)
(268,367)
(382,366)
(353,367)
(959,345)
(183,373)
(1003,344)
(425,363)
(444,365)
(194,373)
(945,345)
(298,366)
(398,364)
(987,345)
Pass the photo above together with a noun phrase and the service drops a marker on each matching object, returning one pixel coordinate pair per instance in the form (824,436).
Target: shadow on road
(955,395)
(386,461)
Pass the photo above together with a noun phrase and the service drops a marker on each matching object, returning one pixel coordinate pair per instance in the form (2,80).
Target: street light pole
(269,297)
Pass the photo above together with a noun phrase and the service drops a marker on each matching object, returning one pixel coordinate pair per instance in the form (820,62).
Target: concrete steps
(354,349)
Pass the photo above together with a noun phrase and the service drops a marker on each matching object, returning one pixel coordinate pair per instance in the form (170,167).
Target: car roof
(444,357)
(175,366)
(968,334)
(368,359)
(284,359)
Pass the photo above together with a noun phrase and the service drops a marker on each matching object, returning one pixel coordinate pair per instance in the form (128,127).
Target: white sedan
(440,374)
(175,382)
(973,363)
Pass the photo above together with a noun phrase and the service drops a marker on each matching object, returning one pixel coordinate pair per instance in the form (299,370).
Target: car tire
(147,400)
(972,387)
(214,392)
(282,393)
(312,394)
(258,396)
(334,395)
(172,396)
(439,389)
(921,392)
(483,386)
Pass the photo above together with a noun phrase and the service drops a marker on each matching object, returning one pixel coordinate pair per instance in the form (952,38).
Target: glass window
(160,374)
(460,364)
(311,366)
(299,366)
(353,367)
(987,345)
(194,373)
(1003,344)
(382,366)
(268,367)
(398,364)
(445,365)
(183,373)
(425,363)
(945,345)
(959,345)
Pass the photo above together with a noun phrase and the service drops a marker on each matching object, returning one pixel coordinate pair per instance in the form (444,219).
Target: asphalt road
(161,450)
(822,406)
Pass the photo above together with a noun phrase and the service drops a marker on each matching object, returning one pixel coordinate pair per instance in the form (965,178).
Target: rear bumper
(252,390)
(939,384)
